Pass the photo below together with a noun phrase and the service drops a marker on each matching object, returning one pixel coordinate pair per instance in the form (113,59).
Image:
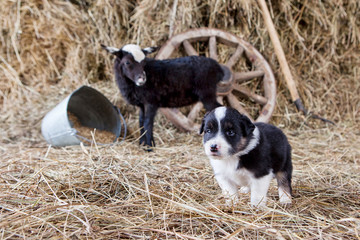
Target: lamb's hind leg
(209,101)
(141,125)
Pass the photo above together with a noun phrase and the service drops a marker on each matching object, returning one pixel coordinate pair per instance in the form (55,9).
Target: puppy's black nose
(213,148)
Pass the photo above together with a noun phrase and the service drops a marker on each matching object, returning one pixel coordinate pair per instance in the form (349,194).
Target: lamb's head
(131,61)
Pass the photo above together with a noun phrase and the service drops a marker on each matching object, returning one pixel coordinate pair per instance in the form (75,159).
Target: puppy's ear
(203,123)
(247,126)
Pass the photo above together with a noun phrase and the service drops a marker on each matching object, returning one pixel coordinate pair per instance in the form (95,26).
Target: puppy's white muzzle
(217,148)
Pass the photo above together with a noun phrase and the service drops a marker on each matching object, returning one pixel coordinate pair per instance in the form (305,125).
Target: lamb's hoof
(146,147)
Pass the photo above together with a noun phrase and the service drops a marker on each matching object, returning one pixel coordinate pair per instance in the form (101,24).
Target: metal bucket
(92,109)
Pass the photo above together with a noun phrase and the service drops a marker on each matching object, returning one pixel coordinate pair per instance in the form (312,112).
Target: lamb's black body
(173,83)
(166,83)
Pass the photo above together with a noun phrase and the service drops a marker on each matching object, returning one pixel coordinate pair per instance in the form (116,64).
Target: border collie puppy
(246,155)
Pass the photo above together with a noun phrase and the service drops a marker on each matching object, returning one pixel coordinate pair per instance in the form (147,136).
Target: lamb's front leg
(150,112)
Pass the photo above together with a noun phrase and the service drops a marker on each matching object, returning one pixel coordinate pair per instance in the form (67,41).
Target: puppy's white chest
(226,169)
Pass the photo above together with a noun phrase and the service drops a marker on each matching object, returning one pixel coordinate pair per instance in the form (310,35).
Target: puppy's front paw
(258,207)
(231,200)
(259,202)
(244,189)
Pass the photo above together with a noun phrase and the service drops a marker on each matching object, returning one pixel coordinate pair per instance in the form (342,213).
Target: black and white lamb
(149,83)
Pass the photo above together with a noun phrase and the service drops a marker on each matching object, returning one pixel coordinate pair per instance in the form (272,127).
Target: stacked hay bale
(55,44)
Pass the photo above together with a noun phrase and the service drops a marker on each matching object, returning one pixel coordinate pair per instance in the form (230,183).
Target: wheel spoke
(235,57)
(212,48)
(241,77)
(195,111)
(246,91)
(179,120)
(234,102)
(190,50)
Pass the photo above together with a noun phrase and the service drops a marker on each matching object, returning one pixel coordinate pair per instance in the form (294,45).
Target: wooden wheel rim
(261,66)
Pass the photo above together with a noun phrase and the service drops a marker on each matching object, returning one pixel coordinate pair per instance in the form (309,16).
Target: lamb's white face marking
(135,51)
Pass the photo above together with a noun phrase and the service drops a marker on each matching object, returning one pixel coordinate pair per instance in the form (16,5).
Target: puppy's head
(226,132)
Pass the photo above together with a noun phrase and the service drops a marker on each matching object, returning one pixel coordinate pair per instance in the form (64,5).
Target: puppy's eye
(208,130)
(230,133)
(127,63)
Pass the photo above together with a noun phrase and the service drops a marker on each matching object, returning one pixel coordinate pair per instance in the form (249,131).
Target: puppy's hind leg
(244,189)
(283,178)
(284,187)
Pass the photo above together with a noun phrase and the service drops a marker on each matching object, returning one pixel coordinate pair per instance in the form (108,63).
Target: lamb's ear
(149,50)
(112,50)
(247,126)
(203,123)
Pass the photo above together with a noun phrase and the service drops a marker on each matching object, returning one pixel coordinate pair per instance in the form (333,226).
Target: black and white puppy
(246,155)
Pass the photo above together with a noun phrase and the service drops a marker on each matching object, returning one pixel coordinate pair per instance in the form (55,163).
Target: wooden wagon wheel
(233,82)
